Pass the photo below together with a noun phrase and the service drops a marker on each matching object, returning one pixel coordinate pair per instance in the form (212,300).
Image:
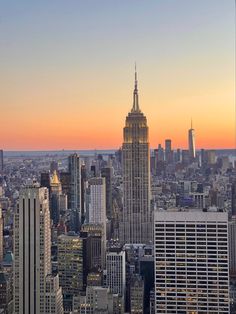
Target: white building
(97,205)
(191,262)
(97,209)
(32,252)
(115,263)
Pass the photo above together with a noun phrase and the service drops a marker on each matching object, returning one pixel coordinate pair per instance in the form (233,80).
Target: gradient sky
(66,71)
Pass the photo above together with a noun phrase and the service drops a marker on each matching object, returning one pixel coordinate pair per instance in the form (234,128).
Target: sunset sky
(67,72)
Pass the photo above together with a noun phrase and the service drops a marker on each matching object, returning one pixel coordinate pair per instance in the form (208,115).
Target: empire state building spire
(135,98)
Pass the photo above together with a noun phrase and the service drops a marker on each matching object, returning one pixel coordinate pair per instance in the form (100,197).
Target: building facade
(32,251)
(191,262)
(116,272)
(74,197)
(70,264)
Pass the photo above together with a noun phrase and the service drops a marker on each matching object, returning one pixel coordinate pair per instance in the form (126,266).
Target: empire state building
(136,224)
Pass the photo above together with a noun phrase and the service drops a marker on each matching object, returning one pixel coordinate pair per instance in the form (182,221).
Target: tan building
(135,224)
(32,254)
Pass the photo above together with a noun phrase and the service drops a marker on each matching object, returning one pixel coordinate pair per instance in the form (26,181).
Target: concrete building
(74,197)
(199,200)
(116,272)
(5,294)
(106,173)
(233,198)
(135,226)
(232,247)
(136,295)
(95,246)
(1,235)
(98,300)
(70,265)
(32,251)
(191,262)
(97,204)
(53,296)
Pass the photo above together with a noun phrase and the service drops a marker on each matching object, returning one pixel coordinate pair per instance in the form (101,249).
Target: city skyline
(59,94)
(117,157)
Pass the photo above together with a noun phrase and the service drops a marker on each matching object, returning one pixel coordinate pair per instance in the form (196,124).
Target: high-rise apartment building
(74,197)
(191,262)
(135,226)
(32,252)
(191,143)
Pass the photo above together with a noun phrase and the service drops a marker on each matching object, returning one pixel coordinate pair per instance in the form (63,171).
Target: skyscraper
(97,204)
(106,173)
(74,198)
(70,266)
(168,151)
(55,193)
(97,208)
(232,247)
(116,278)
(32,254)
(1,235)
(135,224)
(191,262)
(233,198)
(1,160)
(191,143)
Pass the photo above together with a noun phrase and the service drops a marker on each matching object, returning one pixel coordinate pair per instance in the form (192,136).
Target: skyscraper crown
(135,97)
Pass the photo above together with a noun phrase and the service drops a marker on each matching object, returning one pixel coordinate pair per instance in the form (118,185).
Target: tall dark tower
(1,160)
(191,143)
(135,224)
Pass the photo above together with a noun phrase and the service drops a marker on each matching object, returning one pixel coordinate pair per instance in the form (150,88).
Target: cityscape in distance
(117,199)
